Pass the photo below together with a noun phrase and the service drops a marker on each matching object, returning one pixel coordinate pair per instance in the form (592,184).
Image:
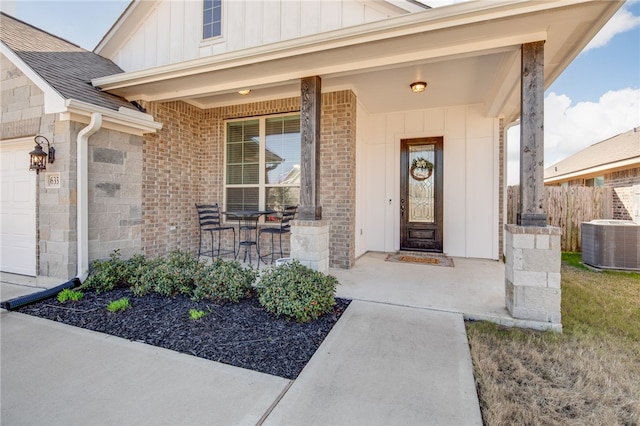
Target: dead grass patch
(590,374)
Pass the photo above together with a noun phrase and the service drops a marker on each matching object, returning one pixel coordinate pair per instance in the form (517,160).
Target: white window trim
(261,185)
(215,39)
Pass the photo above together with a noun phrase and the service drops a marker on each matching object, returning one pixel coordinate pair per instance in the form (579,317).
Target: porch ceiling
(468,53)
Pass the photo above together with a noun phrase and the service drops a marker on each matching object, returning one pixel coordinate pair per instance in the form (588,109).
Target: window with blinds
(263,163)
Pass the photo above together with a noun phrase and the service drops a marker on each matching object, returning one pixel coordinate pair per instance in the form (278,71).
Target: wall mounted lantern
(38,158)
(418,86)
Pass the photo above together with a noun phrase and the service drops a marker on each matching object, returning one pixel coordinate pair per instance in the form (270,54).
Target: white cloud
(570,128)
(624,20)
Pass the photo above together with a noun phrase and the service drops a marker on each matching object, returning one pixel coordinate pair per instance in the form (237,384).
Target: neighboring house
(322,86)
(614,163)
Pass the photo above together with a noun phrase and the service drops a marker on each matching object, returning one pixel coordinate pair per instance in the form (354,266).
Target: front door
(421,194)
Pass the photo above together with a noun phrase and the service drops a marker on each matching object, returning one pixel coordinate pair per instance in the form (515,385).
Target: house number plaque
(52,180)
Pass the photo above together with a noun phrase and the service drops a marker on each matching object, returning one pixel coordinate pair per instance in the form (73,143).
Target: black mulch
(240,334)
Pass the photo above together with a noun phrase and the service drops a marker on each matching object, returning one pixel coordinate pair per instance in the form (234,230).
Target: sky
(597,96)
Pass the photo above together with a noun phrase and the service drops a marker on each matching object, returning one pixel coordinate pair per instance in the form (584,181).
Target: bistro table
(248,229)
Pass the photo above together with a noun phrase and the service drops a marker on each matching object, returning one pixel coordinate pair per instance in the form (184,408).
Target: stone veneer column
(532,273)
(310,243)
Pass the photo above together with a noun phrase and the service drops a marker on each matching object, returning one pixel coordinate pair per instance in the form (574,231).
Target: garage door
(17,208)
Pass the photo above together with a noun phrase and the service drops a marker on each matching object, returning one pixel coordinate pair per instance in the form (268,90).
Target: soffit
(466,57)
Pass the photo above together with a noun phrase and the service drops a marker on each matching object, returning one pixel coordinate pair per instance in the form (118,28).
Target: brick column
(532,273)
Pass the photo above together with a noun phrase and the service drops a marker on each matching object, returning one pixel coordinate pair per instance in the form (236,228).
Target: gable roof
(468,53)
(66,67)
(613,153)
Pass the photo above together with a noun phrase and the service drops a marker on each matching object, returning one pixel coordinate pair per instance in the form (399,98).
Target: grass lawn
(590,374)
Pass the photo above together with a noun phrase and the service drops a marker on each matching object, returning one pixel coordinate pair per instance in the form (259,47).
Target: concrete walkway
(386,365)
(54,374)
(380,365)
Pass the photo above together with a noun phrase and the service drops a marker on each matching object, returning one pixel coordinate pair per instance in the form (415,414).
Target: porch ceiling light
(244,92)
(418,86)
(38,158)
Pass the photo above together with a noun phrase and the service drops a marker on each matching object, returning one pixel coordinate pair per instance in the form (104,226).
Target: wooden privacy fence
(566,208)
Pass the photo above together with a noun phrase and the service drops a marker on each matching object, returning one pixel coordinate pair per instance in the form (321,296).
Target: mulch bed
(240,334)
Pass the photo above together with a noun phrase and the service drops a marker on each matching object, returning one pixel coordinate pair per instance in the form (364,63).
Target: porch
(474,288)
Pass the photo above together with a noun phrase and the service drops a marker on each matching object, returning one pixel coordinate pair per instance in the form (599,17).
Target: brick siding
(338,175)
(184,164)
(622,183)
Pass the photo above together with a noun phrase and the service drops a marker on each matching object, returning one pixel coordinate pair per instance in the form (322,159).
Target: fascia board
(585,39)
(430,20)
(266,77)
(508,85)
(126,120)
(53,100)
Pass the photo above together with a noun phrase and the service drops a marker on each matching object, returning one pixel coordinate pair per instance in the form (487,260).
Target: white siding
(159,55)
(470,178)
(172,31)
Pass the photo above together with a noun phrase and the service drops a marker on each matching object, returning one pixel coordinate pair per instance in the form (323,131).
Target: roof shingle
(618,148)
(67,67)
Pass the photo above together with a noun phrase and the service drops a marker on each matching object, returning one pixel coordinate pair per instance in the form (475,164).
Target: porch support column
(309,233)
(310,110)
(532,249)
(531,205)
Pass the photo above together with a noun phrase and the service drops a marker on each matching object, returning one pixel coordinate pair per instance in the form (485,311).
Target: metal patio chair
(284,227)
(209,217)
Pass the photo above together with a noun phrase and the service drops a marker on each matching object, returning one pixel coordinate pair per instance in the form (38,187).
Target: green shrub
(69,295)
(143,277)
(196,314)
(106,275)
(115,272)
(119,305)
(166,276)
(223,280)
(297,292)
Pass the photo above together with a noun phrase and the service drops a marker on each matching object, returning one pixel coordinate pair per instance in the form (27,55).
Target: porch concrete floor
(473,287)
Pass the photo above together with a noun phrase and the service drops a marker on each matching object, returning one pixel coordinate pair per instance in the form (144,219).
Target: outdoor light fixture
(244,92)
(418,86)
(38,158)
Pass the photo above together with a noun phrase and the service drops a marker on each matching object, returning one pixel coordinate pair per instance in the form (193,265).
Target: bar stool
(284,227)
(209,217)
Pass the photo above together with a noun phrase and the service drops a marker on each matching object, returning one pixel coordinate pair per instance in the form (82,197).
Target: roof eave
(125,120)
(504,103)
(433,19)
(595,171)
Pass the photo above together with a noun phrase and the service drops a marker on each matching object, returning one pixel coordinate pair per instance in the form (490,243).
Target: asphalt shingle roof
(67,67)
(618,148)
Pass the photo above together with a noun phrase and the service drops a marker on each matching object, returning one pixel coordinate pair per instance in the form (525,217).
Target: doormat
(422,258)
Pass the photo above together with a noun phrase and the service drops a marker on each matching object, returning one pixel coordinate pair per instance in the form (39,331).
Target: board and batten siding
(471,178)
(172,31)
